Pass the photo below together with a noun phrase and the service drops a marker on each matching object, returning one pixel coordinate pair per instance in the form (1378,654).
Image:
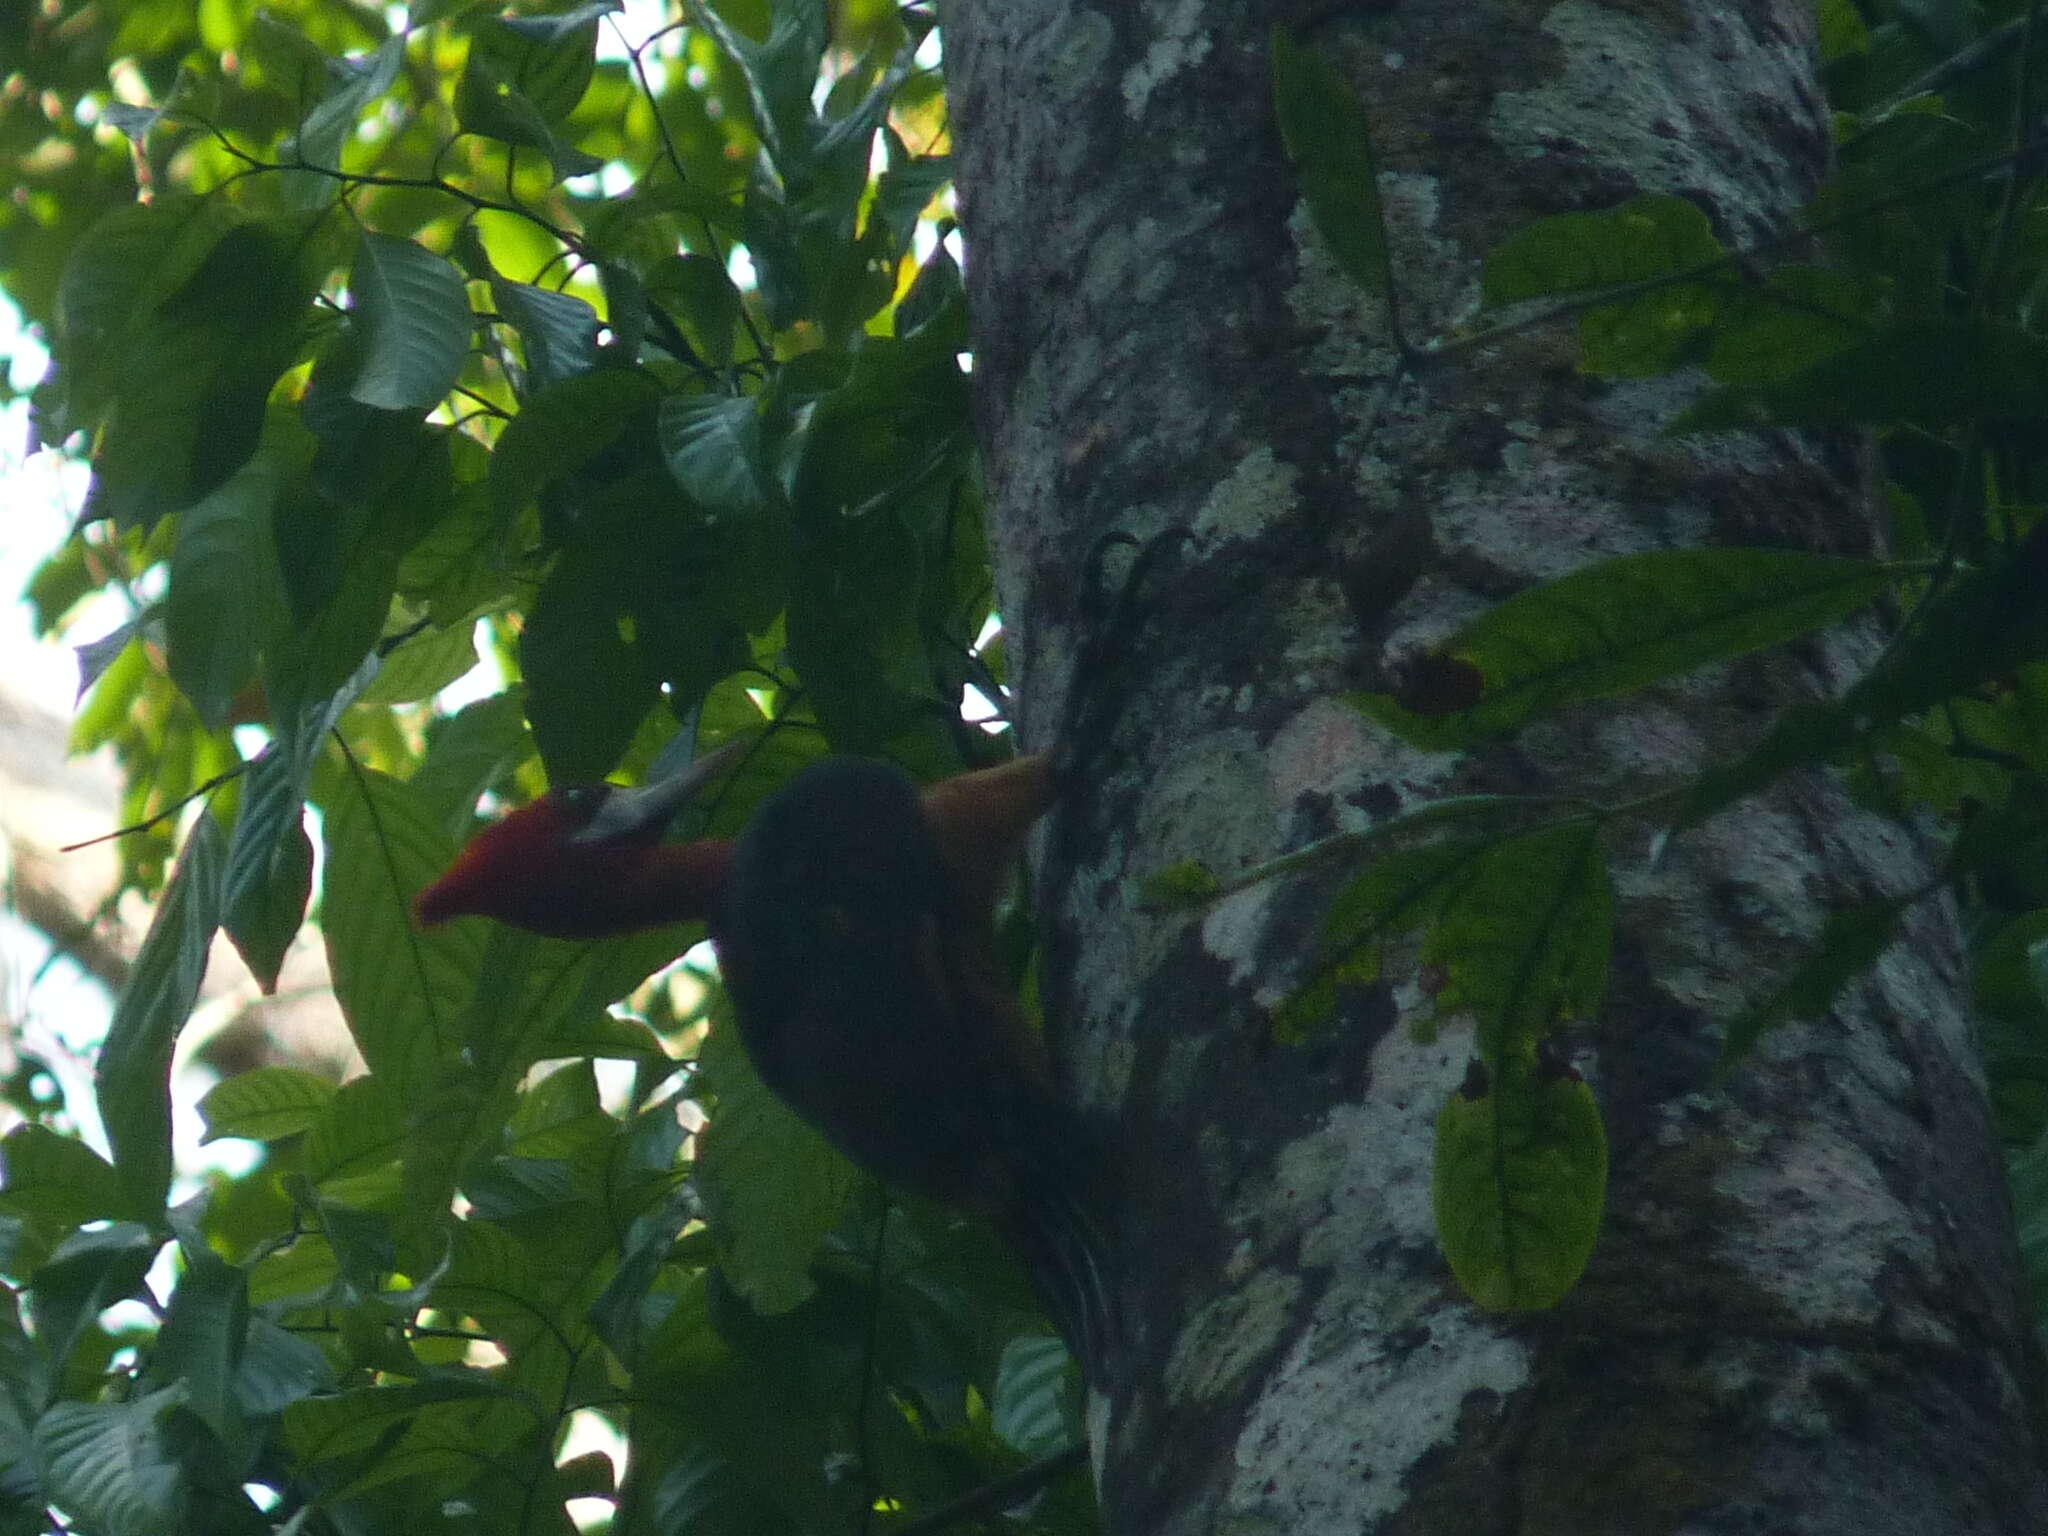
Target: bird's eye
(582,802)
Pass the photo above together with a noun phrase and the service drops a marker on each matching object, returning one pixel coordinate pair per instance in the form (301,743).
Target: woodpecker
(854,923)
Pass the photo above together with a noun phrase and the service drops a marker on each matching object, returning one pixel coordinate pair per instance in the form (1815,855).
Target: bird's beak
(646,811)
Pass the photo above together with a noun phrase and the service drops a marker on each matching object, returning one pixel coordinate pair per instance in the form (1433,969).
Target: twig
(1003,1493)
(163,815)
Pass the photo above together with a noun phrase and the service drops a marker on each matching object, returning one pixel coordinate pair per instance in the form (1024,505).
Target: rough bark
(1803,1315)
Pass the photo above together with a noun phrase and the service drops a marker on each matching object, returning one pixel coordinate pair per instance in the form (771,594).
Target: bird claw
(1113,611)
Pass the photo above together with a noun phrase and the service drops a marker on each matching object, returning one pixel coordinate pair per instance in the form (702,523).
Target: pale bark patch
(1823,1226)
(1258,492)
(1181,40)
(1330,1443)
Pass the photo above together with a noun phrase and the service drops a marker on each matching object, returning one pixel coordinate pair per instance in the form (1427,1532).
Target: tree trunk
(1803,1315)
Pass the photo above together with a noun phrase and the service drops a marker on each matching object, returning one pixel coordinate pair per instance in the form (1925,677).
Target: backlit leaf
(1628,622)
(1520,1184)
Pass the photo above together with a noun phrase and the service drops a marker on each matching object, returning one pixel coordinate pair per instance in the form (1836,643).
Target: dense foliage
(372,336)
(645,366)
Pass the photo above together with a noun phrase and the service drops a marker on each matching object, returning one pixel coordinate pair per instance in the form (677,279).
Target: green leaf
(698,1490)
(1519,961)
(279,1368)
(641,597)
(331,124)
(769,1426)
(780,75)
(366,1250)
(1850,943)
(344,583)
(549,59)
(285,59)
(1842,30)
(713,447)
(2006,979)
(1628,622)
(1399,892)
(522,992)
(65,578)
(1801,735)
(359,1133)
(936,303)
(224,597)
(854,632)
(108,1466)
(1406,885)
(362,456)
(1984,625)
(1327,137)
(1799,316)
(116,280)
(421,667)
(772,1186)
(566,1095)
(415,319)
(559,329)
(332,644)
(265,1104)
(270,859)
(523,78)
(199,1348)
(563,428)
(467,753)
(265,892)
(587,685)
(2030,1197)
(1314,1007)
(608,1035)
(89,1273)
(1650,334)
(1931,373)
(1520,1184)
(879,450)
(1033,1408)
(57,1180)
(303,1274)
(492,101)
(519,1293)
(622,1310)
(1524,936)
(770,232)
(906,189)
(434,1430)
(399,986)
(132,123)
(24,1387)
(1181,887)
(135,1062)
(1568,253)
(702,300)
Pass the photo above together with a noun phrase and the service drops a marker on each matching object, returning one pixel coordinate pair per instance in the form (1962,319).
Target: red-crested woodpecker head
(586,861)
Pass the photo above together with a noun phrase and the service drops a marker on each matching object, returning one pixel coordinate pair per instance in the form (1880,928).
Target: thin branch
(1795,235)
(256,163)
(164,815)
(1004,1493)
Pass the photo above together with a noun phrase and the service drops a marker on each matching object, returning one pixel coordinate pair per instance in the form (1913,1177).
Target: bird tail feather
(1068,1258)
